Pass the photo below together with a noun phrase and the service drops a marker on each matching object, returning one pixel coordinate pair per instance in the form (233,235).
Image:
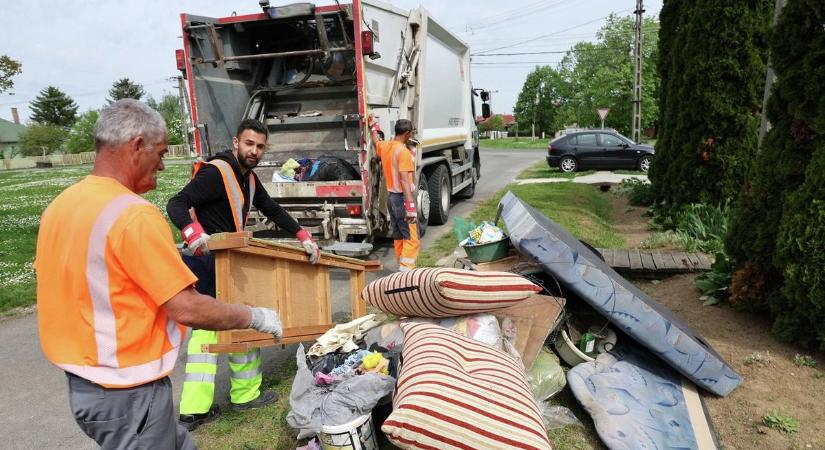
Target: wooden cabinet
(258,272)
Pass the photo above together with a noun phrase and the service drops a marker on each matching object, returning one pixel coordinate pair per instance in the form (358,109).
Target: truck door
(218,89)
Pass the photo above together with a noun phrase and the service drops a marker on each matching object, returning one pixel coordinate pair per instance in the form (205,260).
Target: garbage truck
(313,74)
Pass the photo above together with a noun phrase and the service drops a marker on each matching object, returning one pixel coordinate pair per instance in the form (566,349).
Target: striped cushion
(443,292)
(456,393)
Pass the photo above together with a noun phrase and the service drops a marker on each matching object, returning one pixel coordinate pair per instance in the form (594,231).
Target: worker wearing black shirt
(219,195)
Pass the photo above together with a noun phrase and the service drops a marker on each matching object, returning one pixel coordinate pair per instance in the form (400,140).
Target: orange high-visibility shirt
(106,263)
(395,157)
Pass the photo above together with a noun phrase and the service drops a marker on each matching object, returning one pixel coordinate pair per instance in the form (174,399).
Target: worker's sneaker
(264,399)
(192,421)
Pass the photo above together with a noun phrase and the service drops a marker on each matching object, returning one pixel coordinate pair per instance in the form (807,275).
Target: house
(10,138)
(509,120)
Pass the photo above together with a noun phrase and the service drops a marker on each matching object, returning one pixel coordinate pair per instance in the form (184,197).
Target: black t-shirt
(206,193)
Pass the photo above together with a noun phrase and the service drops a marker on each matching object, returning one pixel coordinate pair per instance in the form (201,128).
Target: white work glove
(195,239)
(310,247)
(266,320)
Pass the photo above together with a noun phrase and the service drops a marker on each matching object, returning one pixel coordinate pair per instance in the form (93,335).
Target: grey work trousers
(141,417)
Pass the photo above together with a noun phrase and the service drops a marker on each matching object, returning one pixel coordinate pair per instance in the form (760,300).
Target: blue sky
(82,47)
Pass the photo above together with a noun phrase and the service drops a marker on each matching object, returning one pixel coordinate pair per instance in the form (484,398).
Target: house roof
(10,131)
(509,119)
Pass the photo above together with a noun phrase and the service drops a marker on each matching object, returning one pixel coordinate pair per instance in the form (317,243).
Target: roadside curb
(596,178)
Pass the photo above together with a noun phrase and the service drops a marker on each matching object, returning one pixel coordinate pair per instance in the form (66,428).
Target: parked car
(598,149)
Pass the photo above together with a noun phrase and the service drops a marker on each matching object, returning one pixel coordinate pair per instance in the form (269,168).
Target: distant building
(509,120)
(10,137)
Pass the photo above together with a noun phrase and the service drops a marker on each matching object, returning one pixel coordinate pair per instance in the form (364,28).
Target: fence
(75,159)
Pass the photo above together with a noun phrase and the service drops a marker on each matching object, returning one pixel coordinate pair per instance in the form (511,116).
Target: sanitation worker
(217,199)
(398,161)
(114,297)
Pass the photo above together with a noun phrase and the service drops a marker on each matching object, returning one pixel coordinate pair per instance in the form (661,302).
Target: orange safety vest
(394,161)
(233,191)
(99,306)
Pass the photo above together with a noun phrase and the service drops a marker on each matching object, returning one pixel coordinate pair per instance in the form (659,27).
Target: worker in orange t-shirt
(114,296)
(398,162)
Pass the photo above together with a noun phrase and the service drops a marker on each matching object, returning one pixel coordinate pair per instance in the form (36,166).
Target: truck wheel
(423,202)
(470,191)
(439,195)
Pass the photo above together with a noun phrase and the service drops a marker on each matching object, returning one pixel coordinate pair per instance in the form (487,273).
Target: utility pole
(637,74)
(184,113)
(769,78)
(535,108)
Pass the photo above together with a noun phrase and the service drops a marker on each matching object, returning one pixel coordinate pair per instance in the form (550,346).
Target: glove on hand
(412,212)
(310,247)
(266,320)
(195,239)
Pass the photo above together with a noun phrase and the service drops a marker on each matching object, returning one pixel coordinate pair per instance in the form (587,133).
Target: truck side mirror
(485,96)
(485,110)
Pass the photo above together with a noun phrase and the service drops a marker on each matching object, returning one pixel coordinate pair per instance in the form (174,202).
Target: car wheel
(644,163)
(439,181)
(423,200)
(568,164)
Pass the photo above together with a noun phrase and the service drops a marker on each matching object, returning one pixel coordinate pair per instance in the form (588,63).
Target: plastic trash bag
(546,376)
(288,169)
(388,336)
(479,327)
(462,228)
(556,417)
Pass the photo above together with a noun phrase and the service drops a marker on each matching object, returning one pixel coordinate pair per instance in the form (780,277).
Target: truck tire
(440,190)
(423,203)
(470,191)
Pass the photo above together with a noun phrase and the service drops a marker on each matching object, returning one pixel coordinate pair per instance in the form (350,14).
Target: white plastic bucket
(356,435)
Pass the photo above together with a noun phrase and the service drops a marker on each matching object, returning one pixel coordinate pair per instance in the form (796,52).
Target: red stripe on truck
(339,191)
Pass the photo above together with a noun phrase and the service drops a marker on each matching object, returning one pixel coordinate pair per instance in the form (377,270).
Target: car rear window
(586,139)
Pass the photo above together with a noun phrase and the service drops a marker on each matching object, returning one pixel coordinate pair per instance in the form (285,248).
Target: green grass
(542,170)
(582,209)
(24,194)
(263,428)
(522,143)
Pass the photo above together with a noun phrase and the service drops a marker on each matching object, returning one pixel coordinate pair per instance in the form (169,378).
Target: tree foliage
(41,139)
(778,230)
(53,106)
(82,135)
(8,69)
(591,76)
(712,66)
(125,88)
(169,108)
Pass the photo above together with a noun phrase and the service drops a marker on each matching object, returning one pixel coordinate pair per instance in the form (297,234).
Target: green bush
(712,73)
(639,193)
(715,284)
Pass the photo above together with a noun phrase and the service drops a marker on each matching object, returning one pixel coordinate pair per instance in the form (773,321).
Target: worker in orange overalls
(398,162)
(114,297)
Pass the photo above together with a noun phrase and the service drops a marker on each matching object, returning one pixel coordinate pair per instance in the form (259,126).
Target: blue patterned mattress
(581,271)
(638,403)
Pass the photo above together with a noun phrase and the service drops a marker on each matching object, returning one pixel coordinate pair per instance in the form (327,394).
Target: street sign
(603,112)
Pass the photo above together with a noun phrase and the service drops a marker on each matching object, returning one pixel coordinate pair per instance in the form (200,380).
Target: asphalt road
(33,395)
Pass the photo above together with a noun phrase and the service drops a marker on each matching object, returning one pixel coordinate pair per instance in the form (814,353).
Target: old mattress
(581,271)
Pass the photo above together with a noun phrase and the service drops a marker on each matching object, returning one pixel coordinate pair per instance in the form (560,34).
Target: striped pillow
(443,292)
(456,393)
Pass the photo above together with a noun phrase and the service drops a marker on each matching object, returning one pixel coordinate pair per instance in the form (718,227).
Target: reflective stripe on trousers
(199,383)
(108,370)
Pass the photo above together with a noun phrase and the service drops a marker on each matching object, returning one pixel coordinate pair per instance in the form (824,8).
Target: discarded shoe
(193,421)
(264,399)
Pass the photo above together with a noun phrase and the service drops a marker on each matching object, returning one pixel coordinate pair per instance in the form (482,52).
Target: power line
(553,33)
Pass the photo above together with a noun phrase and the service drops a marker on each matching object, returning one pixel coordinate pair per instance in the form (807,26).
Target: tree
(53,106)
(713,72)
(125,88)
(8,69)
(590,76)
(41,139)
(82,135)
(497,123)
(169,108)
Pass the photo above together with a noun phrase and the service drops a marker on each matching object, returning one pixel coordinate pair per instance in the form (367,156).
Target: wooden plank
(243,347)
(239,336)
(647,261)
(299,256)
(661,263)
(357,281)
(223,286)
(694,260)
(534,319)
(225,241)
(704,261)
(682,261)
(621,260)
(635,260)
(326,258)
